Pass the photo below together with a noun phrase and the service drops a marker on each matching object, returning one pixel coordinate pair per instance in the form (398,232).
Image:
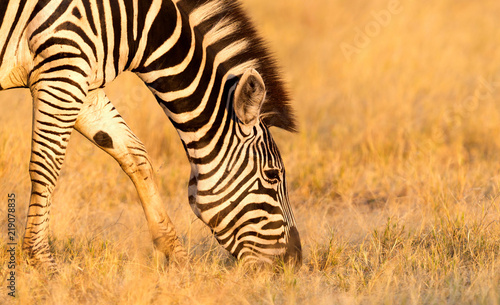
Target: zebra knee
(136,166)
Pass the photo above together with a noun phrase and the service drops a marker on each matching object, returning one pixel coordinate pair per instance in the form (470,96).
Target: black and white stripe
(200,59)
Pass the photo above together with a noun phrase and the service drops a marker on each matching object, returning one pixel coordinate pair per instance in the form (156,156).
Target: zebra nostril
(294,248)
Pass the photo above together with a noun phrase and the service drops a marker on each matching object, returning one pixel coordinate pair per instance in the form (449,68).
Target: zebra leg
(101,123)
(56,104)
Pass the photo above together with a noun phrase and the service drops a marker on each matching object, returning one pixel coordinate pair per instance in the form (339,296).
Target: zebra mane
(228,16)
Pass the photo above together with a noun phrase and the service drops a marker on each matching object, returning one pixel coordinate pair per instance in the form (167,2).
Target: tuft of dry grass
(394,176)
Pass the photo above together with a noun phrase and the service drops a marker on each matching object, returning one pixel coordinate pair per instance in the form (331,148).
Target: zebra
(213,76)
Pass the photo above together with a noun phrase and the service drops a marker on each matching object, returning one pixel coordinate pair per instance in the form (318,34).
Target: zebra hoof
(177,258)
(41,259)
(44,267)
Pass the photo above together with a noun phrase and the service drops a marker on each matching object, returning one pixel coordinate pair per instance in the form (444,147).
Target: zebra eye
(273,175)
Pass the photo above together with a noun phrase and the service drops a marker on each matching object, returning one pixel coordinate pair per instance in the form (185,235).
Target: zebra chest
(15,77)
(15,64)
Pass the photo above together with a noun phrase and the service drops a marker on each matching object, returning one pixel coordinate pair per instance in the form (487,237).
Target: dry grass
(394,176)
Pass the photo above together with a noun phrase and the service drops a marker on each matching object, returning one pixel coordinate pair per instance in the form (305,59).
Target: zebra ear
(249,96)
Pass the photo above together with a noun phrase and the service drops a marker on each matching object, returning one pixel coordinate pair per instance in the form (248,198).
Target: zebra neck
(207,136)
(189,77)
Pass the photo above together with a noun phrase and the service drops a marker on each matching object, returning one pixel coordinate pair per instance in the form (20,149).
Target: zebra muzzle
(293,252)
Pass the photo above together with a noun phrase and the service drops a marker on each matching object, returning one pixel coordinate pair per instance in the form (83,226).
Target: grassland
(394,176)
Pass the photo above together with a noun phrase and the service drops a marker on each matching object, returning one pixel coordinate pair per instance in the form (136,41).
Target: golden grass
(394,177)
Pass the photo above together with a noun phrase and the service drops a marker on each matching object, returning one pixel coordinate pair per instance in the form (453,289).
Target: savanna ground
(394,176)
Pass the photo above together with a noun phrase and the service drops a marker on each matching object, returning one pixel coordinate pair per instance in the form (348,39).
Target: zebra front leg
(101,123)
(56,105)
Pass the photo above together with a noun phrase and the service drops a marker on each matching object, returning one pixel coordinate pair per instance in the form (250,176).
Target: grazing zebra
(200,59)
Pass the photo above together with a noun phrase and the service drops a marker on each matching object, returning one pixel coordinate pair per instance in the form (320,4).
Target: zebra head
(241,194)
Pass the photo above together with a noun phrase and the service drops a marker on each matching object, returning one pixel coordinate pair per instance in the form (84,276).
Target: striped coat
(211,74)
